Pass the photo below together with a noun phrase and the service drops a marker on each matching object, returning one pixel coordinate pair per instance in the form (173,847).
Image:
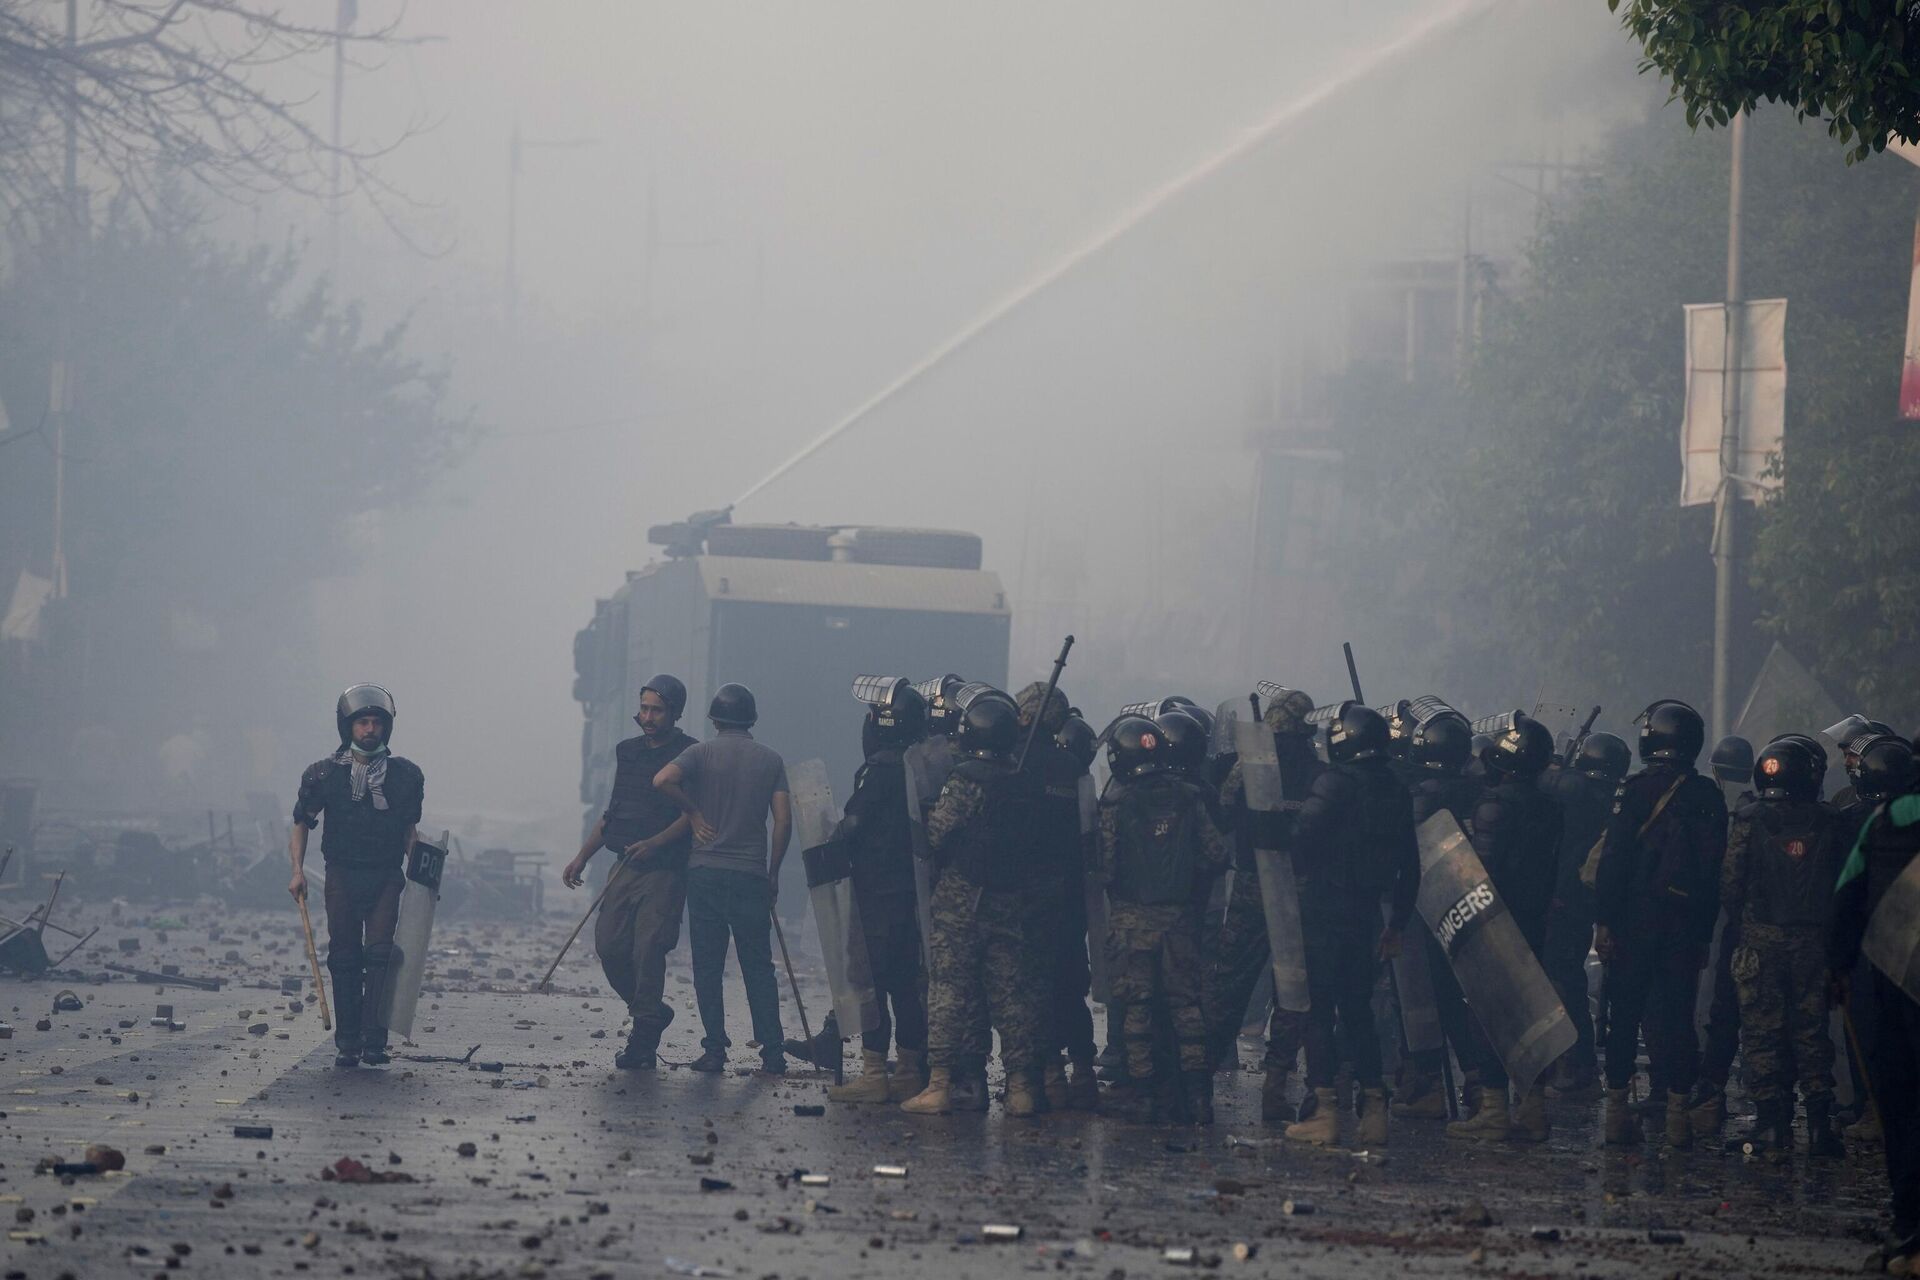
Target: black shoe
(1823,1143)
(375,1056)
(1199,1089)
(345,1059)
(1133,1101)
(713,1061)
(639,1054)
(773,1064)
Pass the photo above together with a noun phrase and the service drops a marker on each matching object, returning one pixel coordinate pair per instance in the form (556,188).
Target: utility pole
(1726,503)
(61,389)
(344,16)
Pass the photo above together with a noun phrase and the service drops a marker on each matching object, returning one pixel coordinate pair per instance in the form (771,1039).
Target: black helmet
(1523,750)
(1443,744)
(671,692)
(1077,739)
(1185,740)
(1671,731)
(1602,756)
(1356,732)
(733,706)
(1732,759)
(1853,748)
(1400,726)
(1887,768)
(942,718)
(896,711)
(989,728)
(1814,746)
(1786,770)
(1134,747)
(361,700)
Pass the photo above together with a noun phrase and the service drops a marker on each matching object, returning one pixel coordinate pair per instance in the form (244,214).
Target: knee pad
(381,954)
(345,960)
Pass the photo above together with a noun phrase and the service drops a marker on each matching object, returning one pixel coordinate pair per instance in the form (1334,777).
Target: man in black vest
(371,799)
(639,921)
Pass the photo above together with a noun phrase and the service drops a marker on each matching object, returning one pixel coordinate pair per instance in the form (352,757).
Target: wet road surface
(556,1165)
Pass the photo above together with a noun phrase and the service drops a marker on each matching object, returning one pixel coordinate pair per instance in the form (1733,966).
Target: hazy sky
(781,207)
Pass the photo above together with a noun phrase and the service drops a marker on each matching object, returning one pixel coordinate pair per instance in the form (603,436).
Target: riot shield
(927,765)
(411,934)
(1413,988)
(1225,716)
(1279,894)
(1847,730)
(1892,944)
(1505,987)
(843,942)
(811,796)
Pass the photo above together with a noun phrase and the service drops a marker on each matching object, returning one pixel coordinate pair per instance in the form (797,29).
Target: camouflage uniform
(982,967)
(1777,882)
(1153,951)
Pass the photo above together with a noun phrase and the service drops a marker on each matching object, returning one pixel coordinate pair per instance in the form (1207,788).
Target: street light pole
(1726,503)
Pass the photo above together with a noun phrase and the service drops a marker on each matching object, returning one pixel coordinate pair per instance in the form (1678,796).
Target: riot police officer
(1584,789)
(1783,854)
(371,801)
(1159,851)
(1438,753)
(880,849)
(1066,1022)
(1656,894)
(1517,831)
(982,834)
(1353,846)
(1731,763)
(1241,952)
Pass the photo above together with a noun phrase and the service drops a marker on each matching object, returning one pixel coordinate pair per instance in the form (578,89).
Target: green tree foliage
(1855,63)
(1548,527)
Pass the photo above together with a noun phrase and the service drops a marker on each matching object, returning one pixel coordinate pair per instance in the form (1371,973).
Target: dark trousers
(739,904)
(363,905)
(1723,1015)
(1341,939)
(1895,1063)
(637,929)
(892,928)
(1651,986)
(1569,938)
(1062,943)
(1238,959)
(1866,1028)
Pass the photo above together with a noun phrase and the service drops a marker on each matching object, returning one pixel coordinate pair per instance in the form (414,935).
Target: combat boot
(1053,1083)
(1530,1122)
(1322,1129)
(1622,1126)
(1372,1131)
(1274,1107)
(1426,1100)
(1133,1101)
(1867,1128)
(934,1100)
(1707,1109)
(970,1087)
(1822,1142)
(909,1075)
(1679,1127)
(1023,1100)
(1199,1088)
(871,1085)
(1083,1089)
(1490,1121)
(1772,1134)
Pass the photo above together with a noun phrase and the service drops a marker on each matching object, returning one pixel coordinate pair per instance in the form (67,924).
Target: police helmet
(363,700)
(1671,731)
(1786,770)
(1732,759)
(900,720)
(671,692)
(1602,756)
(1356,732)
(989,728)
(1135,748)
(1887,768)
(1443,744)
(1400,726)
(1185,740)
(1523,750)
(1077,739)
(733,706)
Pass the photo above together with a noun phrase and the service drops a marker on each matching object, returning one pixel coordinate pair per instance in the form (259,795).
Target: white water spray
(1366,64)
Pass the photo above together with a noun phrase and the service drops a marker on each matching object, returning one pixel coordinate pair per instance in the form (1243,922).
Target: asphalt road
(556,1165)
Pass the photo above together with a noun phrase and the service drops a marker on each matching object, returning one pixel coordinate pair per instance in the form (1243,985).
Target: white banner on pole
(1762,370)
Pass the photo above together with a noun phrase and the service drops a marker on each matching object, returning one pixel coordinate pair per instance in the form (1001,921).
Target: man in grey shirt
(727,787)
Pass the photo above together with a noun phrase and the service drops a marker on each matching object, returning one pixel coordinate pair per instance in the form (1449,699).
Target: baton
(1353,673)
(1046,700)
(313,958)
(786,960)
